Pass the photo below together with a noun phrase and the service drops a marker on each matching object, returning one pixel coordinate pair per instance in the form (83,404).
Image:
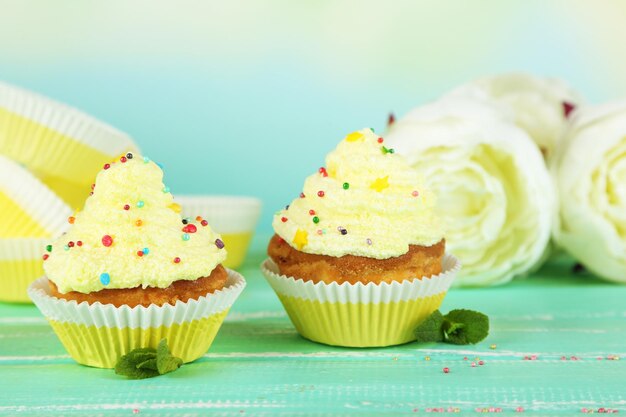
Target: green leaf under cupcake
(148,362)
(458,327)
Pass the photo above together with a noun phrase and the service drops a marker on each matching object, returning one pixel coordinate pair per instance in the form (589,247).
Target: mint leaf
(430,329)
(165,361)
(143,363)
(463,327)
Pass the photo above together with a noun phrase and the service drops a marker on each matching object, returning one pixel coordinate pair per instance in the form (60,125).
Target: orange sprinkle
(71,219)
(138,222)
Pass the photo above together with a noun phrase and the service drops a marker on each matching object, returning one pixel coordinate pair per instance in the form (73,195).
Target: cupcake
(31,216)
(359,258)
(131,271)
(61,145)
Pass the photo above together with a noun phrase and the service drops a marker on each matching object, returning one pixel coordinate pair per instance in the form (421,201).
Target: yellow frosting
(152,222)
(368,202)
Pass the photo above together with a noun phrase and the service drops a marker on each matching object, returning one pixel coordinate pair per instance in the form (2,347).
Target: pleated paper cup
(98,335)
(20,265)
(29,208)
(56,140)
(233,217)
(361,315)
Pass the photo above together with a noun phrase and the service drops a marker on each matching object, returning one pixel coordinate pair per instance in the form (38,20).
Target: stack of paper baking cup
(50,154)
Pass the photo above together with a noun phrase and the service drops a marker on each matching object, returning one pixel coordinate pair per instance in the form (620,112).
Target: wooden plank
(258,364)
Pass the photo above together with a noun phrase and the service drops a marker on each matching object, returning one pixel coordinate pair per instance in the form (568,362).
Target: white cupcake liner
(34,197)
(107,315)
(22,248)
(369,293)
(225,214)
(30,118)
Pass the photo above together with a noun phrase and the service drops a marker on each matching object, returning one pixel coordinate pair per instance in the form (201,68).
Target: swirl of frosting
(130,234)
(367,202)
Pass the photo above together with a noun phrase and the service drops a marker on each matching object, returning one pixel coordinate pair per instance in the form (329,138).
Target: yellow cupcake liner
(361,315)
(53,139)
(20,265)
(233,217)
(28,208)
(73,194)
(97,335)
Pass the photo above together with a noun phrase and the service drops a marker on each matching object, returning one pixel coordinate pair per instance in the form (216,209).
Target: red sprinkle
(93,186)
(312,212)
(204,223)
(380,140)
(79,243)
(391,119)
(126,207)
(190,228)
(446,370)
(322,171)
(70,244)
(302,195)
(177,260)
(107,166)
(283,219)
(107,240)
(320,193)
(123,159)
(45,256)
(139,253)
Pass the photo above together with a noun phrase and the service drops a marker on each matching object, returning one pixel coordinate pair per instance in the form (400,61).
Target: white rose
(590,171)
(494,191)
(537,105)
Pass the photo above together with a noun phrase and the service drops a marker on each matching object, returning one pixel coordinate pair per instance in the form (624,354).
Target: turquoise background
(247,98)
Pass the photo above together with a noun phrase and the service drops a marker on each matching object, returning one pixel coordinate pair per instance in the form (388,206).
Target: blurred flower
(538,105)
(494,191)
(590,172)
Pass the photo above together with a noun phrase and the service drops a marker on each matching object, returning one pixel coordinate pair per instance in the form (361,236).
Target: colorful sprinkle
(219,243)
(49,248)
(354,136)
(312,212)
(190,228)
(45,256)
(105,278)
(107,240)
(138,222)
(284,219)
(427,358)
(166,189)
(446,370)
(106,166)
(346,185)
(568,108)
(391,119)
(320,232)
(71,219)
(66,247)
(204,223)
(342,230)
(140,203)
(139,253)
(368,241)
(320,193)
(70,244)
(415,193)
(301,238)
(146,159)
(129,155)
(316,220)
(185,220)
(302,195)
(493,347)
(380,184)
(380,140)
(177,260)
(123,159)
(185,237)
(323,172)
(146,251)
(198,218)
(126,207)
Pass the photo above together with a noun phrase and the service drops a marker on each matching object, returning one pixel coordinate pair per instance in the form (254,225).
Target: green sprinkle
(66,247)
(372,129)
(185,236)
(166,189)
(49,248)
(346,185)
(140,203)
(316,220)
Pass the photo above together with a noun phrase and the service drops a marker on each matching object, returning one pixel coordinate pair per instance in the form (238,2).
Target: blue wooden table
(554,349)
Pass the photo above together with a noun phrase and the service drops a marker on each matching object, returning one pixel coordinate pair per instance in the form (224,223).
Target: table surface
(558,338)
